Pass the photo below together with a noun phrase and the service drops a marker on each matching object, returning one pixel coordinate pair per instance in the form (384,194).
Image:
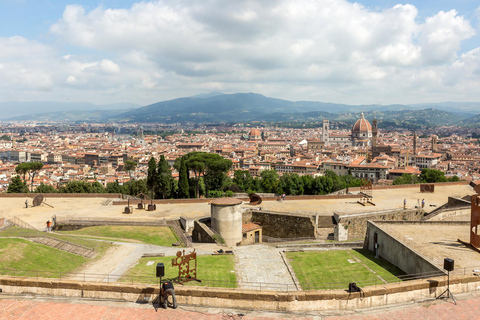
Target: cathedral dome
(361,126)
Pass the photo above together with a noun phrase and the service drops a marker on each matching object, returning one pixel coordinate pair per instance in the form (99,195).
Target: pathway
(262,267)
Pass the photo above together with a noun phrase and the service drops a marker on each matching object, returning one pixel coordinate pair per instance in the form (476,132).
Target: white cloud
(331,50)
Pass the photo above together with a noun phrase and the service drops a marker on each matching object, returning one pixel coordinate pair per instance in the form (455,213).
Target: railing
(259,286)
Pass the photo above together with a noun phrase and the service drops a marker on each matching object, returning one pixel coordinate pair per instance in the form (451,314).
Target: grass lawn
(332,269)
(161,236)
(98,246)
(214,271)
(44,261)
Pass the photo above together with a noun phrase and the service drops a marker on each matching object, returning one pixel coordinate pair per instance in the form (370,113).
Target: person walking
(423,203)
(404,203)
(48,225)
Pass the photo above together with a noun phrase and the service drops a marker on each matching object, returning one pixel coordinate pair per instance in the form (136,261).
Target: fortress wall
(282,225)
(354,227)
(62,195)
(314,300)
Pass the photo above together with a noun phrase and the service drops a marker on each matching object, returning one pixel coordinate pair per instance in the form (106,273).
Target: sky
(142,52)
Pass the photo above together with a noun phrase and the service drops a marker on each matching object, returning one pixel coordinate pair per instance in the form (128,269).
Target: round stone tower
(227,219)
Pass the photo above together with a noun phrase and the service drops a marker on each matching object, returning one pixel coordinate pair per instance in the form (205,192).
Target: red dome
(362,125)
(255,132)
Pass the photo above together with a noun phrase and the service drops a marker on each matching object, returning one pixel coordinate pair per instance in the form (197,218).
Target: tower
(415,142)
(434,143)
(325,136)
(374,132)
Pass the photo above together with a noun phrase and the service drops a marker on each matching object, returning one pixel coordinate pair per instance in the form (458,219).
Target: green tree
(244,180)
(130,167)
(291,184)
(97,187)
(31,168)
(134,187)
(17,185)
(432,175)
(269,181)
(164,178)
(406,178)
(22,169)
(152,176)
(76,187)
(115,187)
(183,180)
(34,168)
(45,188)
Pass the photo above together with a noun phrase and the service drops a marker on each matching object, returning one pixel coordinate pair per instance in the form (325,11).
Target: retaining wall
(318,300)
(282,225)
(62,195)
(355,226)
(395,252)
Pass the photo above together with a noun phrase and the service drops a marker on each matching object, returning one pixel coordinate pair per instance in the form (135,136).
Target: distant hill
(218,107)
(16,109)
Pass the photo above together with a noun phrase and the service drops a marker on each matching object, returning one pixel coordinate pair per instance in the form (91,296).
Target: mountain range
(246,107)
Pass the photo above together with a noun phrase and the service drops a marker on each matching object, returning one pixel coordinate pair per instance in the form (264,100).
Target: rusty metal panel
(254,199)
(186,271)
(475,221)
(427,187)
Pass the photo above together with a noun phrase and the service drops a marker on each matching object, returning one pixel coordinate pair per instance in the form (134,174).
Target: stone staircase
(65,246)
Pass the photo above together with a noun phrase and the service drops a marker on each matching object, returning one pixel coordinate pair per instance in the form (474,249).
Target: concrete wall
(396,252)
(315,300)
(282,225)
(227,221)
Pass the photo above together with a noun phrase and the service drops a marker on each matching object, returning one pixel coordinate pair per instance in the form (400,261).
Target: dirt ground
(103,208)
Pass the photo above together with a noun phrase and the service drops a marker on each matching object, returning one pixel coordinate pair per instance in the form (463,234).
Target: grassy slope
(214,271)
(331,269)
(20,254)
(161,236)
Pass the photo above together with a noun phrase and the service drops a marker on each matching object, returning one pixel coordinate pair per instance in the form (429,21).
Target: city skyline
(369,52)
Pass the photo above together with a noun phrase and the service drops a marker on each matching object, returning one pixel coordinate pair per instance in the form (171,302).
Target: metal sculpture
(366,190)
(186,272)
(254,199)
(427,187)
(39,200)
(475,221)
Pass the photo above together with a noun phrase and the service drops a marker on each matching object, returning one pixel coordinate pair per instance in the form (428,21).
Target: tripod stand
(447,291)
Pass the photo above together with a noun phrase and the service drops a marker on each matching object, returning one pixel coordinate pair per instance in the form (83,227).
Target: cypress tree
(183,186)
(164,178)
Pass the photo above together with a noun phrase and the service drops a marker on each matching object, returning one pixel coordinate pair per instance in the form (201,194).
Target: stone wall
(201,231)
(62,195)
(355,226)
(297,301)
(457,202)
(282,225)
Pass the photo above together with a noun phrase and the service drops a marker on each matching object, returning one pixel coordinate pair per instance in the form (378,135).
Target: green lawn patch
(98,246)
(333,270)
(214,271)
(21,257)
(161,236)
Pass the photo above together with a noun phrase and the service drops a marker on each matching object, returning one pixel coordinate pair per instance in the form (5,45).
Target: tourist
(48,225)
(26,203)
(404,203)
(168,290)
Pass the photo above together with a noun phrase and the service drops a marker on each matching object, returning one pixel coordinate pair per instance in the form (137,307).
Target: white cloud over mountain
(331,50)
